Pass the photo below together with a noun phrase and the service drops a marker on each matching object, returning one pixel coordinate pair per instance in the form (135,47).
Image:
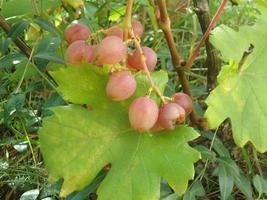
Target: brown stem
(213,61)
(18,41)
(205,36)
(127,26)
(166,27)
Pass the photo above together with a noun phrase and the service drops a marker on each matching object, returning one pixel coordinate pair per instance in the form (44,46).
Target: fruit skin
(143,114)
(77,32)
(121,86)
(111,50)
(79,52)
(184,101)
(169,115)
(116,30)
(138,28)
(134,60)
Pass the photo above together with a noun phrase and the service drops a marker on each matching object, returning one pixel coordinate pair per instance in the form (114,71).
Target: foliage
(241,88)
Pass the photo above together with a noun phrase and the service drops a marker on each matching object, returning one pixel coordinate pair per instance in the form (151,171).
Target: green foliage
(103,133)
(241,90)
(260,184)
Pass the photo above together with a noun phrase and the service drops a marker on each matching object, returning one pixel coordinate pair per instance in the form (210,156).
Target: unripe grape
(79,52)
(134,60)
(138,28)
(77,32)
(111,50)
(143,114)
(120,86)
(170,114)
(184,101)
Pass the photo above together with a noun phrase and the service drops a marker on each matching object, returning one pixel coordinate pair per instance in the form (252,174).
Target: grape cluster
(144,113)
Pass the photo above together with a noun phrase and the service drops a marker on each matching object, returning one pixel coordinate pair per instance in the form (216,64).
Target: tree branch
(18,41)
(166,28)
(206,34)
(213,62)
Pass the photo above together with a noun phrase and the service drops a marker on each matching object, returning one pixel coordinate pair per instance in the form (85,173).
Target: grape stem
(144,66)
(128,30)
(127,25)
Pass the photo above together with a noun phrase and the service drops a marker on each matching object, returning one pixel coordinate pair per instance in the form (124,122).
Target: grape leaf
(76,142)
(241,94)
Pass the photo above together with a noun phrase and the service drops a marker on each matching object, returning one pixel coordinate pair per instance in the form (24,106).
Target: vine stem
(218,13)
(127,26)
(128,30)
(18,41)
(166,28)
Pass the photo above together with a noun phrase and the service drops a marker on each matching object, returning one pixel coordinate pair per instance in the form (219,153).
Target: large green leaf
(241,94)
(13,8)
(77,142)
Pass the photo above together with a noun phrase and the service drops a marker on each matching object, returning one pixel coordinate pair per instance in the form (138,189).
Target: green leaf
(88,77)
(47,25)
(226,182)
(241,94)
(76,143)
(196,190)
(13,8)
(50,57)
(138,160)
(18,29)
(12,59)
(260,184)
(46,51)
(239,178)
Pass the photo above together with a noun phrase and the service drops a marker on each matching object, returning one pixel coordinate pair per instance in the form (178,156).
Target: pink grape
(184,101)
(114,31)
(170,114)
(120,86)
(79,52)
(77,32)
(138,28)
(111,50)
(143,114)
(134,60)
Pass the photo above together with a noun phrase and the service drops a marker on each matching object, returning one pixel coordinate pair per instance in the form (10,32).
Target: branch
(18,41)
(166,27)
(127,25)
(205,36)
(213,61)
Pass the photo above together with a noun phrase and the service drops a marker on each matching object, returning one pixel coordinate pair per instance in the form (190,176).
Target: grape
(115,31)
(143,114)
(134,60)
(138,28)
(118,31)
(120,86)
(170,114)
(79,52)
(77,32)
(184,101)
(111,50)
